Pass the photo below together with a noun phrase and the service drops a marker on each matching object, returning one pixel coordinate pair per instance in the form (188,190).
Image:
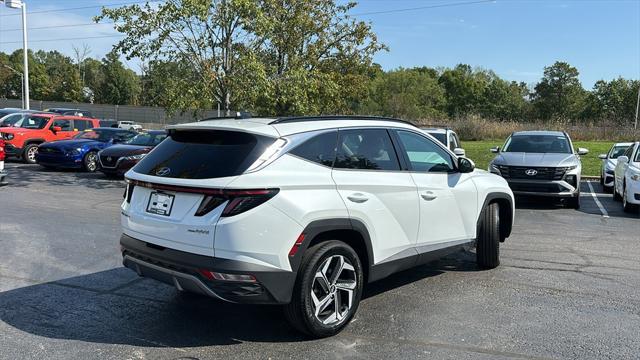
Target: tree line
(293,57)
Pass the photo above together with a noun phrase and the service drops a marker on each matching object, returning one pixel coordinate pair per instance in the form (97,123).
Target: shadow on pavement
(117,307)
(23,175)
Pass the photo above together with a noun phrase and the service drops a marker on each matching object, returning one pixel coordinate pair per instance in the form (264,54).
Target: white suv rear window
(198,154)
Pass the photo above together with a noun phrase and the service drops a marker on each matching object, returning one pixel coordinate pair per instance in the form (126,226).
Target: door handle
(428,195)
(357,198)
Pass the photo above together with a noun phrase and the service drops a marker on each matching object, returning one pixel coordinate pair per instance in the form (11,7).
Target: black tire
(29,154)
(628,208)
(90,161)
(300,312)
(574,202)
(616,196)
(488,243)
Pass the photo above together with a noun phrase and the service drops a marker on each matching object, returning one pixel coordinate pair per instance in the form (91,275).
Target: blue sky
(515,38)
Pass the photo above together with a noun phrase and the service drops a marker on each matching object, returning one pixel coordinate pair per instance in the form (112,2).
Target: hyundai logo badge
(531,172)
(164,171)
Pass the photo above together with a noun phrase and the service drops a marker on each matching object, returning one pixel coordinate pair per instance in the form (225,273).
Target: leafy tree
(559,95)
(121,85)
(613,101)
(315,56)
(64,78)
(205,34)
(406,93)
(94,79)
(464,89)
(504,100)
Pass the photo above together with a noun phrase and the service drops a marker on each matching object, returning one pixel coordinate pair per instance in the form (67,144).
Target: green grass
(478,151)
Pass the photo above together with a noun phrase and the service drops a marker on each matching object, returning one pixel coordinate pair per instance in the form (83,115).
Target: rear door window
(64,124)
(320,149)
(204,154)
(81,125)
(366,149)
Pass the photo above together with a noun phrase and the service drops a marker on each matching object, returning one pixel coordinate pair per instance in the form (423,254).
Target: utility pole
(15,4)
(635,125)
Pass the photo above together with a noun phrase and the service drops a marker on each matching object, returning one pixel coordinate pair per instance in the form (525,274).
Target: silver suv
(540,163)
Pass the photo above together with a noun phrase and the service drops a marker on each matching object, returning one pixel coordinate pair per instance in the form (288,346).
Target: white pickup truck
(129,125)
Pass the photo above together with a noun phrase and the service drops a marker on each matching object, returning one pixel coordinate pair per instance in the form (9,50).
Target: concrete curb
(585,177)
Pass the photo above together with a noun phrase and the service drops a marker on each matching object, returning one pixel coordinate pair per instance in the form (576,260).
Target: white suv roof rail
(293,119)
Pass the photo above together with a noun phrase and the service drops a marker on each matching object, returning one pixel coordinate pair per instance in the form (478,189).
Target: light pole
(635,125)
(15,4)
(21,80)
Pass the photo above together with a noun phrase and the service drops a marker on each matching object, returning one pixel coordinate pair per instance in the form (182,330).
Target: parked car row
(25,130)
(626,177)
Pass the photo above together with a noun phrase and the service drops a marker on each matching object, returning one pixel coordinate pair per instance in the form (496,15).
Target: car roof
(287,126)
(623,144)
(109,129)
(539,132)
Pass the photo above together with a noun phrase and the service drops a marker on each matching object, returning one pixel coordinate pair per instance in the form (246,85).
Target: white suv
(304,211)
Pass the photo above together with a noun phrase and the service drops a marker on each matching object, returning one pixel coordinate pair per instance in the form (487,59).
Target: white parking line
(595,198)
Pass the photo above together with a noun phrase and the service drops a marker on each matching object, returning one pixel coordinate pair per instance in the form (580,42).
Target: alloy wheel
(92,162)
(31,153)
(333,290)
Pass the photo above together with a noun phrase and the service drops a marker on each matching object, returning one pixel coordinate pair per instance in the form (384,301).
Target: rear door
(172,187)
(376,192)
(447,198)
(66,126)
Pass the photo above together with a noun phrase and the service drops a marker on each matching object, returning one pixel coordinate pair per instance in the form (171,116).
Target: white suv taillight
(238,200)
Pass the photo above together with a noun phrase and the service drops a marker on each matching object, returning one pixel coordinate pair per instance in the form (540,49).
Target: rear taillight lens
(238,201)
(128,191)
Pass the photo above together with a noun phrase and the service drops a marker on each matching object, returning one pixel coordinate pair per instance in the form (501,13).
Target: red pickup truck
(35,129)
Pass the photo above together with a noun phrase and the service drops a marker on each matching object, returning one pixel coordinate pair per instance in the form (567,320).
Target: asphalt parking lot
(568,287)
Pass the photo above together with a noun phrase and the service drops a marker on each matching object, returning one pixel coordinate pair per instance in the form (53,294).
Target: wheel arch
(353,232)
(505,206)
(36,141)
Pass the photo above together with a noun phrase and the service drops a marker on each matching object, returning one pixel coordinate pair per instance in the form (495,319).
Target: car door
(376,191)
(66,126)
(621,169)
(448,199)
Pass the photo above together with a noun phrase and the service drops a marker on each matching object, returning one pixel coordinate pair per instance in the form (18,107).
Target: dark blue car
(81,152)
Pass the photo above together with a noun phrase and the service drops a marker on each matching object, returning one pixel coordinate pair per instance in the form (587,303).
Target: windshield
(11,120)
(617,151)
(556,144)
(440,137)
(147,139)
(34,122)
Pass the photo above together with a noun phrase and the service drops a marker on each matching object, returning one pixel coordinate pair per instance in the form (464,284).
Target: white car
(304,211)
(609,161)
(129,125)
(627,178)
(446,136)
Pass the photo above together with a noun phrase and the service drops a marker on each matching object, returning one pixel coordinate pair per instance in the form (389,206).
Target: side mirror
(583,151)
(623,159)
(459,152)
(55,129)
(495,149)
(465,165)
(602,156)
